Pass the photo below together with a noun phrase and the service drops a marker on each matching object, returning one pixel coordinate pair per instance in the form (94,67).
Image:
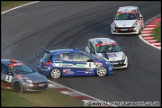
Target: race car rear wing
(45,50)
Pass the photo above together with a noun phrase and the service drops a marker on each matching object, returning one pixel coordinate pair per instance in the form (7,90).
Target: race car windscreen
(107,48)
(21,69)
(125,16)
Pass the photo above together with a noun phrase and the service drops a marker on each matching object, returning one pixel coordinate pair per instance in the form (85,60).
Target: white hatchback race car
(109,50)
(128,20)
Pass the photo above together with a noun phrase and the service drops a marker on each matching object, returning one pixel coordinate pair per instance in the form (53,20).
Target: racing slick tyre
(101,71)
(55,73)
(18,87)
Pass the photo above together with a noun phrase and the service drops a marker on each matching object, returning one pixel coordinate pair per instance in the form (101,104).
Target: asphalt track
(68,24)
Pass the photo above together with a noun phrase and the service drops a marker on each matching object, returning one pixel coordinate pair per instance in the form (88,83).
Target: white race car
(128,20)
(109,50)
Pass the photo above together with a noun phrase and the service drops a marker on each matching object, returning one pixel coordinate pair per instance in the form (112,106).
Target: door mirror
(140,18)
(124,50)
(9,73)
(92,52)
(111,19)
(89,60)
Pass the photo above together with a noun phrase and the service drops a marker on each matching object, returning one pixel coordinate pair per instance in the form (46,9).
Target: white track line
(72,91)
(19,7)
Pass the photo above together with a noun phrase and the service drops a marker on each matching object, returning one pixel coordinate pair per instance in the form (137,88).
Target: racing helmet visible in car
(109,47)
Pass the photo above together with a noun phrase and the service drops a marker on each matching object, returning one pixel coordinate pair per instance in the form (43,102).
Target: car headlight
(113,24)
(135,24)
(28,80)
(107,62)
(123,57)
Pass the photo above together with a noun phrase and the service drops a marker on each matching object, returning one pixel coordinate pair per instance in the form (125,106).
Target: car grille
(124,29)
(37,87)
(119,61)
(119,65)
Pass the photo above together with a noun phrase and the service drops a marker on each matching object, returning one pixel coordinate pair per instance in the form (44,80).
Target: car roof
(64,50)
(101,40)
(129,8)
(7,61)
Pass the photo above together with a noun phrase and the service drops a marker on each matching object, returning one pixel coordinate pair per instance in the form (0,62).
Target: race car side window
(89,44)
(138,13)
(4,69)
(63,56)
(80,57)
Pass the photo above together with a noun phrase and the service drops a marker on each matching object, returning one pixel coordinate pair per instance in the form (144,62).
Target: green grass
(5,5)
(157,33)
(48,98)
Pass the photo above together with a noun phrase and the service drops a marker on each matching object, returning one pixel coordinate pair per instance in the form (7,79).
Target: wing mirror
(124,49)
(140,18)
(92,52)
(9,73)
(89,60)
(111,19)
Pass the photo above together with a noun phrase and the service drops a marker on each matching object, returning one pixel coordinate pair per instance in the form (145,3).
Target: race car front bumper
(125,30)
(120,64)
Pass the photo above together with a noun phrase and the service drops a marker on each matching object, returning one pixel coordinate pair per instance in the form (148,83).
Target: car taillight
(47,83)
(48,63)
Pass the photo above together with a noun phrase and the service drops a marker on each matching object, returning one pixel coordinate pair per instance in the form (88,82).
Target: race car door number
(8,78)
(90,65)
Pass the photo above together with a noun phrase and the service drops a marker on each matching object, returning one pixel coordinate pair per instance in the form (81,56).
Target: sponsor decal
(48,68)
(80,65)
(62,65)
(58,61)
(65,65)
(64,71)
(88,72)
(111,55)
(106,43)
(80,71)
(15,64)
(69,72)
(90,69)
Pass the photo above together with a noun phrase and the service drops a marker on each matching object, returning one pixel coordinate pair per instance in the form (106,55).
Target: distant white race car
(109,50)
(127,20)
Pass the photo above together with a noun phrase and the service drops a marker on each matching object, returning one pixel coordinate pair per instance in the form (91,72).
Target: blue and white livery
(72,62)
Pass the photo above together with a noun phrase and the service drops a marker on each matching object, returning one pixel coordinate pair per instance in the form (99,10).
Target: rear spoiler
(45,50)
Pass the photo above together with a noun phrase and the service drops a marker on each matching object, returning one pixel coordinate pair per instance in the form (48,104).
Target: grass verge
(48,98)
(5,5)
(157,33)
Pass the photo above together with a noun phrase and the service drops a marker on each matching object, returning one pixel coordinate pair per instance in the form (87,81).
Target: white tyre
(101,71)
(55,73)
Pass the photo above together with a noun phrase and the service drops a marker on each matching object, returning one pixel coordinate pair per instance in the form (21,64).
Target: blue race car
(72,62)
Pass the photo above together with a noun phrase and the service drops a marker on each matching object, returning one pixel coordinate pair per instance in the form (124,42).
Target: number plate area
(123,29)
(41,85)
